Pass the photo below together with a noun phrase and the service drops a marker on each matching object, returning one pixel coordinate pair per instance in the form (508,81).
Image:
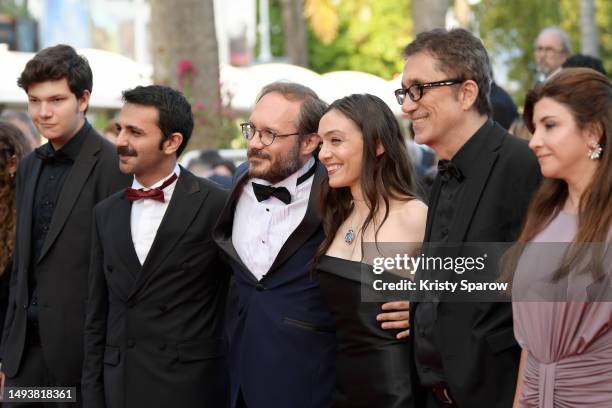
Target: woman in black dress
(370,199)
(13,147)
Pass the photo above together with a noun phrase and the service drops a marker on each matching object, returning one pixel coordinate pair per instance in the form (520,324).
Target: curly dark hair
(12,144)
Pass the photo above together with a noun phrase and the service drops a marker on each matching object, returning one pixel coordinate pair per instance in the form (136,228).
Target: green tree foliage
(371,36)
(510,27)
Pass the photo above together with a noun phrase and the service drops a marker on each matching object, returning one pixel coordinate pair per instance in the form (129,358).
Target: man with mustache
(57,187)
(154,333)
(465,355)
(283,349)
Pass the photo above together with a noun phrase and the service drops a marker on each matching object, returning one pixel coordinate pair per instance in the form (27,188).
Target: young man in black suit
(465,354)
(154,333)
(57,187)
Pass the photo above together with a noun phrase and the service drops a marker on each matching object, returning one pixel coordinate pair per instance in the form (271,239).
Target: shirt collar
(168,190)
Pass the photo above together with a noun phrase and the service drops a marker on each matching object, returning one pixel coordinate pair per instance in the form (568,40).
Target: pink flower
(185,67)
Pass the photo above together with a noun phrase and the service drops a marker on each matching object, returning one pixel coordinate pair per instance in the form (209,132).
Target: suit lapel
(27,208)
(310,223)
(434,196)
(73,185)
(183,207)
(222,233)
(476,182)
(121,232)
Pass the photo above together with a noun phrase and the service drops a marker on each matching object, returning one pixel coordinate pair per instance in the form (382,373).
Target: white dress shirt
(147,214)
(261,228)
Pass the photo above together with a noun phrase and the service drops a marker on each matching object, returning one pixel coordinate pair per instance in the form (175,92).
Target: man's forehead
(549,38)
(274,109)
(138,115)
(55,87)
(421,68)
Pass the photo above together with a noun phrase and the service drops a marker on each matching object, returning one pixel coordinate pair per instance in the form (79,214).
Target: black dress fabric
(372,365)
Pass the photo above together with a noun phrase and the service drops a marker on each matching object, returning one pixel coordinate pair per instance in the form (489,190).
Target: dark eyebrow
(413,82)
(543,118)
(133,128)
(333,131)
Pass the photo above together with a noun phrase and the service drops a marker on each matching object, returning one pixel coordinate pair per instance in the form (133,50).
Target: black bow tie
(50,157)
(263,192)
(447,170)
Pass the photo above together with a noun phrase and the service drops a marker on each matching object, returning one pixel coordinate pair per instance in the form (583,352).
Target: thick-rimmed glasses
(265,136)
(415,91)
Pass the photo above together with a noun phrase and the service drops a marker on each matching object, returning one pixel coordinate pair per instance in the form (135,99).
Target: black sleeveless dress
(372,365)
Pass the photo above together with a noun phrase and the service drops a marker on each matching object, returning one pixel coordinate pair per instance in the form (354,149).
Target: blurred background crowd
(220,54)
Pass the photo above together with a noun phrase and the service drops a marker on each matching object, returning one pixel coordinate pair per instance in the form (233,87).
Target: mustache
(254,153)
(126,151)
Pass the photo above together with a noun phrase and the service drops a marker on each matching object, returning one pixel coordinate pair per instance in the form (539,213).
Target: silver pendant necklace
(349,236)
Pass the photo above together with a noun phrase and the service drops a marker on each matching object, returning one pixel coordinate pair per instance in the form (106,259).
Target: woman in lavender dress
(567,337)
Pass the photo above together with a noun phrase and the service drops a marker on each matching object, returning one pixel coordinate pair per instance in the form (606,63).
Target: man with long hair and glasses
(464,355)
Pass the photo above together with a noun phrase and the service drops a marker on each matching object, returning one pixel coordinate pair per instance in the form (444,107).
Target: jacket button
(131,343)
(259,287)
(130,304)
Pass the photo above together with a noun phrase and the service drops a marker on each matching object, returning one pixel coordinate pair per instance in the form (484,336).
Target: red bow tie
(155,193)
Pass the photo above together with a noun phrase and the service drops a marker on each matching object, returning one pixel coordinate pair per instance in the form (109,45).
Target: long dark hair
(389,175)
(12,143)
(588,96)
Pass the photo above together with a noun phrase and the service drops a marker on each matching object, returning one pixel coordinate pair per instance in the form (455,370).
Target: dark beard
(281,169)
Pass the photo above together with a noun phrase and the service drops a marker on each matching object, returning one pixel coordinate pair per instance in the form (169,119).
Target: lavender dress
(569,363)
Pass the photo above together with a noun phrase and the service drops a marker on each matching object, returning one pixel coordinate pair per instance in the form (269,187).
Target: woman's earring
(595,152)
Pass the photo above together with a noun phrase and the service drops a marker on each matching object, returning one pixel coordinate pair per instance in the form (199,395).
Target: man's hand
(395,317)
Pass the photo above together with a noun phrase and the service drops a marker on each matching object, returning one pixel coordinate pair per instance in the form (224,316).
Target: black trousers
(35,373)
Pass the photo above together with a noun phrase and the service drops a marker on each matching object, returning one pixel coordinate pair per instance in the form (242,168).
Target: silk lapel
(184,205)
(73,185)
(222,233)
(310,223)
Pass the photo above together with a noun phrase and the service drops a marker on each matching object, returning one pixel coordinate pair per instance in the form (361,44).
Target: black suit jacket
(154,334)
(64,261)
(476,341)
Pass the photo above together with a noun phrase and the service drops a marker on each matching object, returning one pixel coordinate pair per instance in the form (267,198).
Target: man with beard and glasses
(283,350)
(154,332)
(57,187)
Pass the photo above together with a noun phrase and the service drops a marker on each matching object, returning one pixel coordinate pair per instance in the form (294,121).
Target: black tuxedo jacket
(480,355)
(64,261)
(154,334)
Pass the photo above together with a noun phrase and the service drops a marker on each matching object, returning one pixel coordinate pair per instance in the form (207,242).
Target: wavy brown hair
(12,143)
(389,175)
(588,96)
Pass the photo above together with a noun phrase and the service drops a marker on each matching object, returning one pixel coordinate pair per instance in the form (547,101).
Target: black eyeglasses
(265,136)
(415,91)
